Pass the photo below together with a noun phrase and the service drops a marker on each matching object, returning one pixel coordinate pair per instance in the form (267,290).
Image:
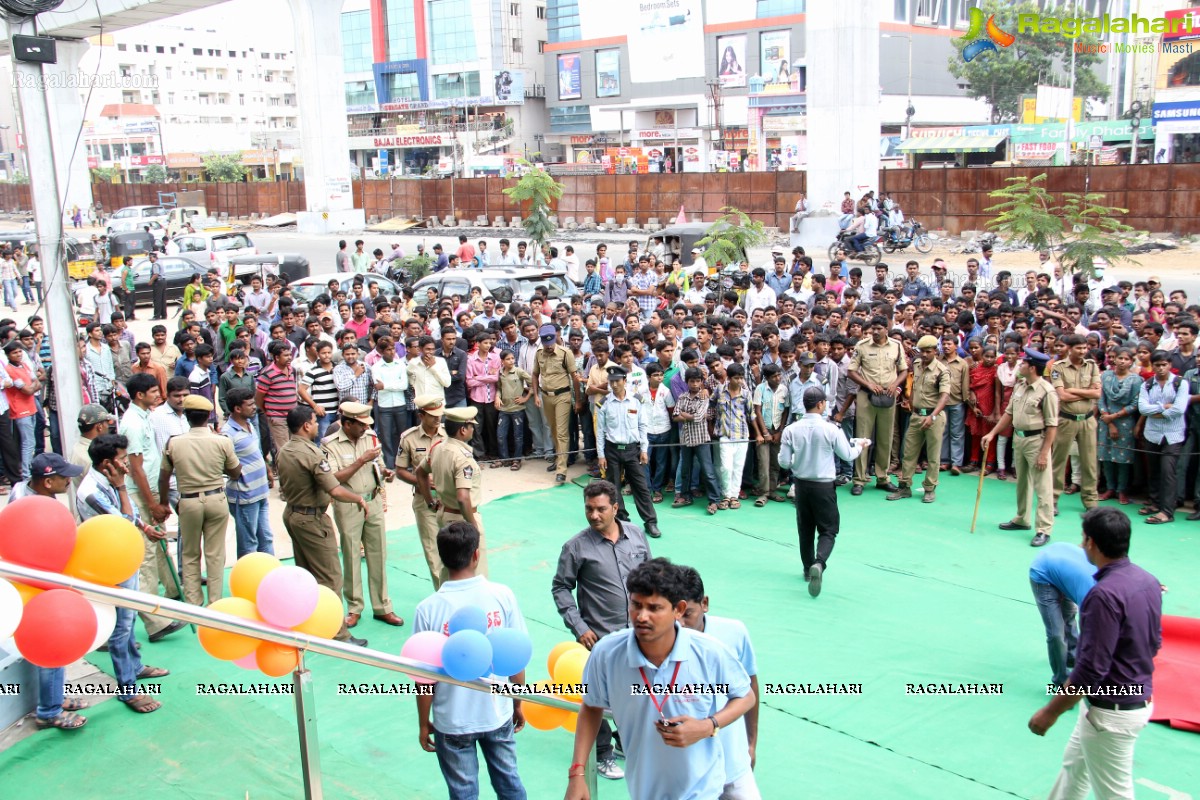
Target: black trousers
(626,464)
(10,450)
(160,299)
(487,426)
(128,304)
(816,513)
(1163,460)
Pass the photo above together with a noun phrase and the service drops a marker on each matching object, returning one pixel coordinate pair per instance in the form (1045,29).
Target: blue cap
(48,464)
(548,332)
(1033,356)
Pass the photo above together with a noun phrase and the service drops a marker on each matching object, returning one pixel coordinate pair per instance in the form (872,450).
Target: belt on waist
(1073,417)
(1028,434)
(456,512)
(553,392)
(194,495)
(311,511)
(623,446)
(923,412)
(1108,705)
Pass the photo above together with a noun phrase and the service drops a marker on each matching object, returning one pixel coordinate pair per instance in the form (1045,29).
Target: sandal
(723,505)
(152,672)
(779,498)
(66,721)
(713,508)
(74,704)
(1147,510)
(142,703)
(657,498)
(760,502)
(1159,519)
(497,464)
(735,504)
(680,502)
(516,465)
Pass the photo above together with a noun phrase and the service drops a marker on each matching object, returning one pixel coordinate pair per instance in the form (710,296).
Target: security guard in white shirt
(624,448)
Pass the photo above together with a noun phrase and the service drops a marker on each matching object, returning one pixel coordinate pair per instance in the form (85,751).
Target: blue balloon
(467,655)
(511,650)
(468,618)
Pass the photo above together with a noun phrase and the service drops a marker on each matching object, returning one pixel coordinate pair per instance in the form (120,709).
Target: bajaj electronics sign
(666,39)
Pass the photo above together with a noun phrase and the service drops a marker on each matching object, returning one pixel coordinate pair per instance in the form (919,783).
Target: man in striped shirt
(319,391)
(277,391)
(248,495)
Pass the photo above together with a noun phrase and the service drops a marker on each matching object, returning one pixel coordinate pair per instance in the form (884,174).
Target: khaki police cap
(431,404)
(467,414)
(359,412)
(195,402)
(927,342)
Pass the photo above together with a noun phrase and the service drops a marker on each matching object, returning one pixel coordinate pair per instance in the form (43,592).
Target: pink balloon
(249,662)
(287,596)
(425,646)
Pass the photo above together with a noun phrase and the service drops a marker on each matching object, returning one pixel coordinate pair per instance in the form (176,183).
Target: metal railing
(302,681)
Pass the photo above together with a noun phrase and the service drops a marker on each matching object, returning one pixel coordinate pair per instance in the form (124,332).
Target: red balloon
(56,629)
(37,532)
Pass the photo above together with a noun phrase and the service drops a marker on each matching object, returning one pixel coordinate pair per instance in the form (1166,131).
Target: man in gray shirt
(594,565)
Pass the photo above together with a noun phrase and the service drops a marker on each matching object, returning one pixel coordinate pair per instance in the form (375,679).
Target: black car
(177,273)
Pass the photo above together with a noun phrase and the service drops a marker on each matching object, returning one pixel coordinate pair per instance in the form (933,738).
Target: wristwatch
(716,726)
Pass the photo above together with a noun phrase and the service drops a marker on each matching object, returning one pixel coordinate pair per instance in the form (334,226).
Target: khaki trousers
(315,548)
(446,516)
(154,569)
(1071,432)
(557,409)
(932,439)
(279,432)
(203,522)
(427,529)
(1032,479)
(365,530)
(876,424)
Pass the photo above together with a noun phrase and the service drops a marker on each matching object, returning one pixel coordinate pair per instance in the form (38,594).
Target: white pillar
(842,53)
(321,97)
(66,111)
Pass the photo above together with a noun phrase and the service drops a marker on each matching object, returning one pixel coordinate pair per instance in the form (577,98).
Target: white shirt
(870,225)
(764,298)
(659,410)
(698,263)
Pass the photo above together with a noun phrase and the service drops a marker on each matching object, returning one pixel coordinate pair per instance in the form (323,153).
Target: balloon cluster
(56,627)
(285,598)
(565,665)
(470,651)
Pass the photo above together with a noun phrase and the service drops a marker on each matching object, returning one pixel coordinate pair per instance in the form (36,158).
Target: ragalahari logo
(978,28)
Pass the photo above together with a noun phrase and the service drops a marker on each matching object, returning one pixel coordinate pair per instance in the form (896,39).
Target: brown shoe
(352,620)
(1071,489)
(390,618)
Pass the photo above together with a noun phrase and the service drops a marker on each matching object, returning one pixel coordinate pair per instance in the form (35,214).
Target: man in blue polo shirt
(249,496)
(670,689)
(1060,577)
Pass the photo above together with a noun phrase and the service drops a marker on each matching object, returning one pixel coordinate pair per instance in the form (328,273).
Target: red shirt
(20,404)
(279,390)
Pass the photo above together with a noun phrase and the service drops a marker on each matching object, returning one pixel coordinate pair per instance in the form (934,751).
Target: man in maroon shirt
(276,391)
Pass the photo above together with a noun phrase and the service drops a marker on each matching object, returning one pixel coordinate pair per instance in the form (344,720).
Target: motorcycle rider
(864,229)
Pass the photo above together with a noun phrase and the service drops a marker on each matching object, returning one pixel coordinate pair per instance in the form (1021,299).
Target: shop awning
(951,144)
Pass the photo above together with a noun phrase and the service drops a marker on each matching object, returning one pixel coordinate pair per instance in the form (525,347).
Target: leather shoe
(856,490)
(1013,526)
(1039,539)
(552,467)
(929,497)
(352,620)
(887,487)
(652,530)
(815,573)
(390,618)
(900,494)
(356,641)
(167,631)
(560,479)
(1195,515)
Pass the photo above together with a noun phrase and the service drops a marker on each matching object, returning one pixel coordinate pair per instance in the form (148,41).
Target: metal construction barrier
(302,681)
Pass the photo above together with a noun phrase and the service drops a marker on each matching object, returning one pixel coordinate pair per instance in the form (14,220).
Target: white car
(157,230)
(217,247)
(138,214)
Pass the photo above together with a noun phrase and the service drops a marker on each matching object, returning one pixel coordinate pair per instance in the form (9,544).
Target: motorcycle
(730,277)
(913,234)
(870,252)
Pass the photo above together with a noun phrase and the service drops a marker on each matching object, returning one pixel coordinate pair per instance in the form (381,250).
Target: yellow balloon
(108,549)
(569,669)
(248,573)
(277,660)
(558,650)
(27,592)
(326,619)
(570,722)
(230,646)
(543,718)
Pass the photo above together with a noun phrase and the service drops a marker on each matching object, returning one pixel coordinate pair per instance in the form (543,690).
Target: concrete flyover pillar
(321,97)
(842,52)
(65,88)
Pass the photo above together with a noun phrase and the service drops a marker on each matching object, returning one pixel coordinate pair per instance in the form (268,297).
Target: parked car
(177,273)
(504,284)
(306,289)
(217,247)
(139,214)
(292,266)
(157,229)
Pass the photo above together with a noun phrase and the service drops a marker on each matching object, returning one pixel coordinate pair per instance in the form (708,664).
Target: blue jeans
(323,424)
(26,289)
(126,660)
(390,424)
(460,763)
(857,241)
(954,444)
(252,521)
(1058,615)
(708,475)
(846,468)
(50,692)
(512,421)
(26,427)
(10,294)
(660,460)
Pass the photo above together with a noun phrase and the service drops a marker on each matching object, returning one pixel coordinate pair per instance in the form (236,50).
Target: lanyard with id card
(658,704)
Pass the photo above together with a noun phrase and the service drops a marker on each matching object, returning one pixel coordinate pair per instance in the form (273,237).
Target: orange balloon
(558,650)
(570,722)
(569,669)
(108,549)
(27,592)
(230,646)
(543,718)
(248,573)
(277,660)
(326,620)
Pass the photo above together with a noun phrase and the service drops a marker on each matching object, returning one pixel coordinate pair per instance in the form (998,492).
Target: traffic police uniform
(199,460)
(1076,425)
(621,437)
(1033,408)
(452,466)
(414,446)
(928,386)
(355,528)
(554,371)
(882,364)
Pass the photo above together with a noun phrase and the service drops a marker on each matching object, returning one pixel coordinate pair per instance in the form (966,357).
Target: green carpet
(910,597)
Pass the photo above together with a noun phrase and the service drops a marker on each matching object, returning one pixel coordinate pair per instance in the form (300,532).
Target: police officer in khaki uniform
(306,484)
(879,368)
(1077,382)
(200,459)
(931,391)
(353,452)
(451,466)
(555,383)
(1033,413)
(414,446)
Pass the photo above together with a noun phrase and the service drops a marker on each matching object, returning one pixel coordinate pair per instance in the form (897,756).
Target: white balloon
(11,609)
(106,620)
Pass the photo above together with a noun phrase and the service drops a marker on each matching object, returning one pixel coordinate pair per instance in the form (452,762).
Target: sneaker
(841,480)
(608,769)
(792,492)
(815,573)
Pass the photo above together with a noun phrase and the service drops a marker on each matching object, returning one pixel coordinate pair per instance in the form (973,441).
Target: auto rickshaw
(81,258)
(135,243)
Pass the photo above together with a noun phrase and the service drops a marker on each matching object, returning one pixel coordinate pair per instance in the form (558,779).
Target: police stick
(979,491)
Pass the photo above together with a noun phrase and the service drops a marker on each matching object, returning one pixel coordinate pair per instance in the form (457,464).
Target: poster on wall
(776,49)
(731,60)
(509,87)
(570,80)
(608,73)
(666,40)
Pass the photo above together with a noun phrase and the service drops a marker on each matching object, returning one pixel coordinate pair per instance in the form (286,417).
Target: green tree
(1002,76)
(538,190)
(105,174)
(730,237)
(224,168)
(1026,213)
(155,173)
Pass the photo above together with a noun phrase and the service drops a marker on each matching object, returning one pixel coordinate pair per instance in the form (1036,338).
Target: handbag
(882,400)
